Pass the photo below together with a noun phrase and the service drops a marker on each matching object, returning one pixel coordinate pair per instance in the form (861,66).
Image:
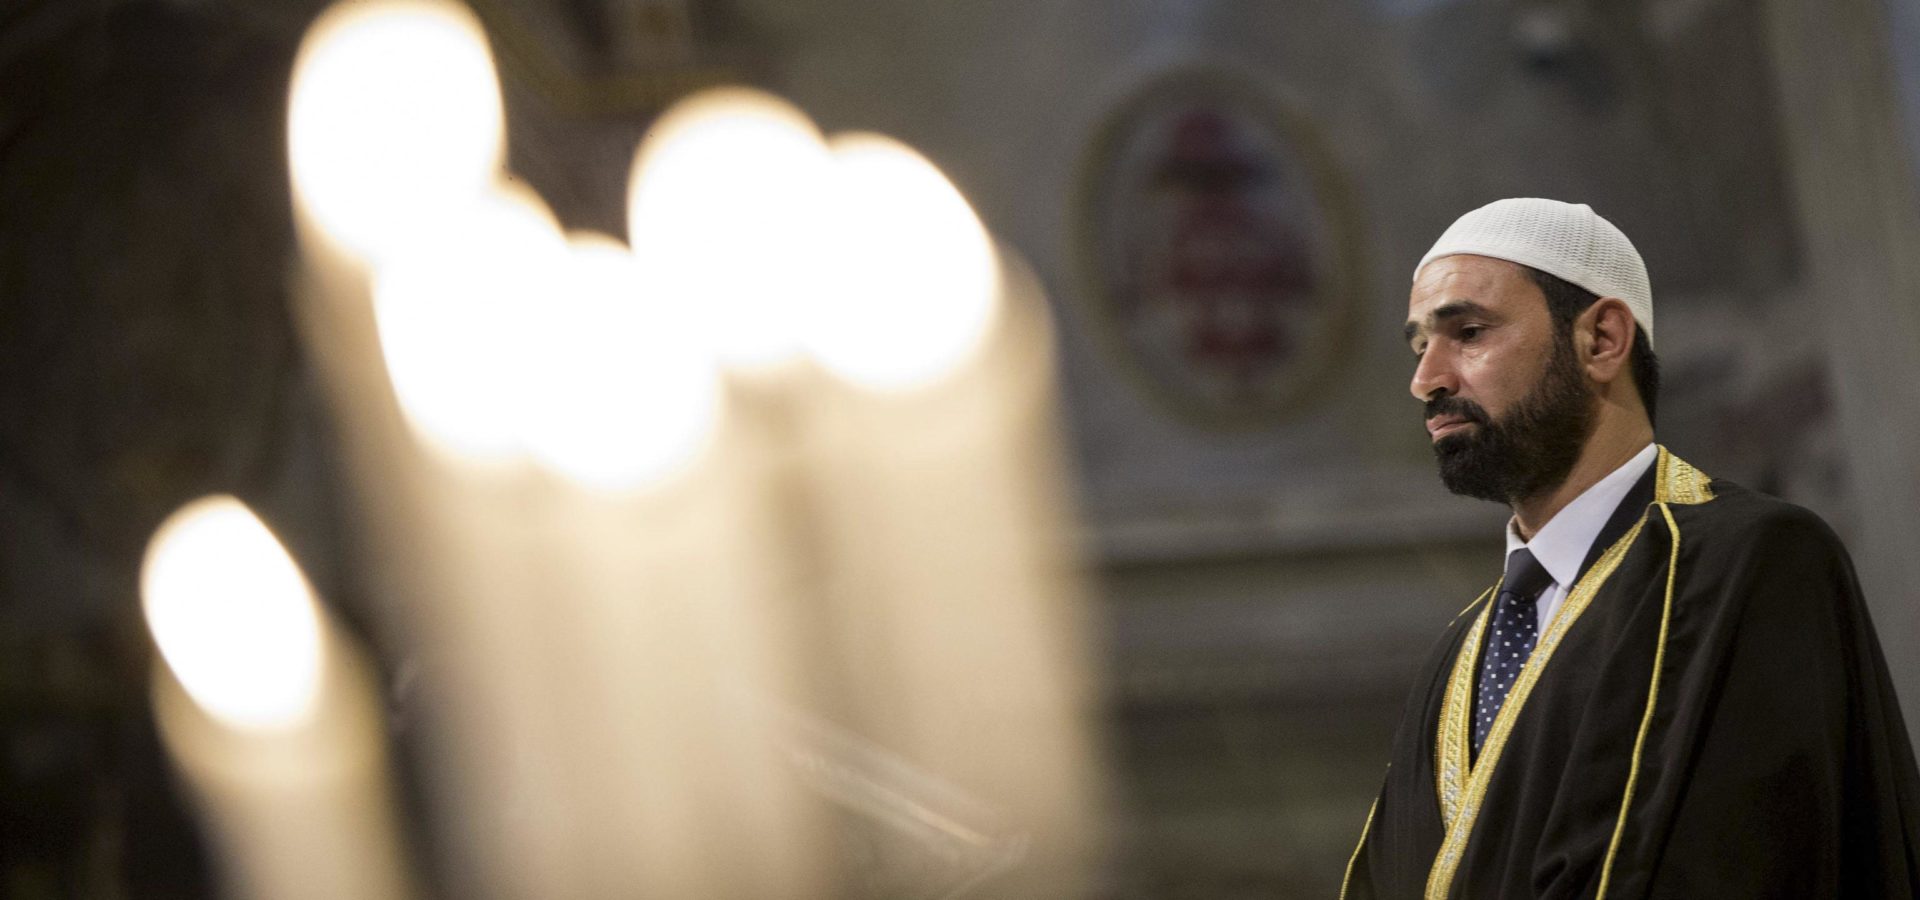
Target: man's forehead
(1460,277)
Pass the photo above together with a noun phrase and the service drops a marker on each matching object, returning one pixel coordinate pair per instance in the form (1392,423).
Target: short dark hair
(1566,301)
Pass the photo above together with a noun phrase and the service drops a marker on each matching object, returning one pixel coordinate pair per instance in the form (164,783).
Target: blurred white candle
(417,260)
(943,516)
(268,712)
(692,572)
(395,136)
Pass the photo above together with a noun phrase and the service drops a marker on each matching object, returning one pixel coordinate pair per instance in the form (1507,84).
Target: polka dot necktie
(1516,625)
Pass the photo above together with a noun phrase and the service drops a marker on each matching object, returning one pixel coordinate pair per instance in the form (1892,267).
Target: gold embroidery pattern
(1675,481)
(1450,757)
(1460,826)
(1679,482)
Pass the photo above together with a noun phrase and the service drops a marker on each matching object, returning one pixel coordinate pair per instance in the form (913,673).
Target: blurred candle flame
(233,616)
(725,209)
(916,284)
(627,396)
(394,120)
(456,317)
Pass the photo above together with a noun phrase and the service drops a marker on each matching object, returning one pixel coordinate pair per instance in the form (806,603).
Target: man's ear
(1604,334)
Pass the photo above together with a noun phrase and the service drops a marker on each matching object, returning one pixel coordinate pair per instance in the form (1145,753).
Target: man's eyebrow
(1452,309)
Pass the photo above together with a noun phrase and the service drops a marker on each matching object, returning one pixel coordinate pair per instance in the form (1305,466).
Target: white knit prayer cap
(1568,240)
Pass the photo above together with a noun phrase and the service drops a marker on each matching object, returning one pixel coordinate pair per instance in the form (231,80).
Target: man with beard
(1674,689)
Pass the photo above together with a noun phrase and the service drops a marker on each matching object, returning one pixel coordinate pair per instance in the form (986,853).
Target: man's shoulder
(1741,515)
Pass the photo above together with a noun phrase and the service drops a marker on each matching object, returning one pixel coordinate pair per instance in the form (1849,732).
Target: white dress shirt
(1562,544)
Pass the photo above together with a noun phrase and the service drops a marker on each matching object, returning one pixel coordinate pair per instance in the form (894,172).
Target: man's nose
(1432,377)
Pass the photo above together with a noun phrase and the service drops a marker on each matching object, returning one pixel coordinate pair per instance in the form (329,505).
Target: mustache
(1457,406)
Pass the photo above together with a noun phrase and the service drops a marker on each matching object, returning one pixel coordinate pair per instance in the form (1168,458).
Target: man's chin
(1455,441)
(1470,470)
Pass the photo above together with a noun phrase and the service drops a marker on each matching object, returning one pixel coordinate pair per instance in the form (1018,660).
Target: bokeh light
(627,394)
(916,280)
(394,121)
(725,211)
(457,317)
(233,616)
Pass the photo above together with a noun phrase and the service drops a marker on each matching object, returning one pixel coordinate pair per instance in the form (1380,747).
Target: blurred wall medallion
(1216,248)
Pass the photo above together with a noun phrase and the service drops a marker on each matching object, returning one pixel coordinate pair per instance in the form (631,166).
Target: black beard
(1529,450)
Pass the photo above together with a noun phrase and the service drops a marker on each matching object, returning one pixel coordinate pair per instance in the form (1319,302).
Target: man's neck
(1607,450)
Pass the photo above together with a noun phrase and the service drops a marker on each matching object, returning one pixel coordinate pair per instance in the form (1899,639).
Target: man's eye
(1469,332)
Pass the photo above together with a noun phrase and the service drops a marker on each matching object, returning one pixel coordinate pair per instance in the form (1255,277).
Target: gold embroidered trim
(1348,878)
(1675,481)
(1460,826)
(1646,719)
(1451,759)
(1679,482)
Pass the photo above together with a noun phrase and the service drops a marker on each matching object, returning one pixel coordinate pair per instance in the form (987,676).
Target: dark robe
(1768,759)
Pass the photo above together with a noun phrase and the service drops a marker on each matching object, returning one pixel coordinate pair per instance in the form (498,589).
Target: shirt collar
(1562,544)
